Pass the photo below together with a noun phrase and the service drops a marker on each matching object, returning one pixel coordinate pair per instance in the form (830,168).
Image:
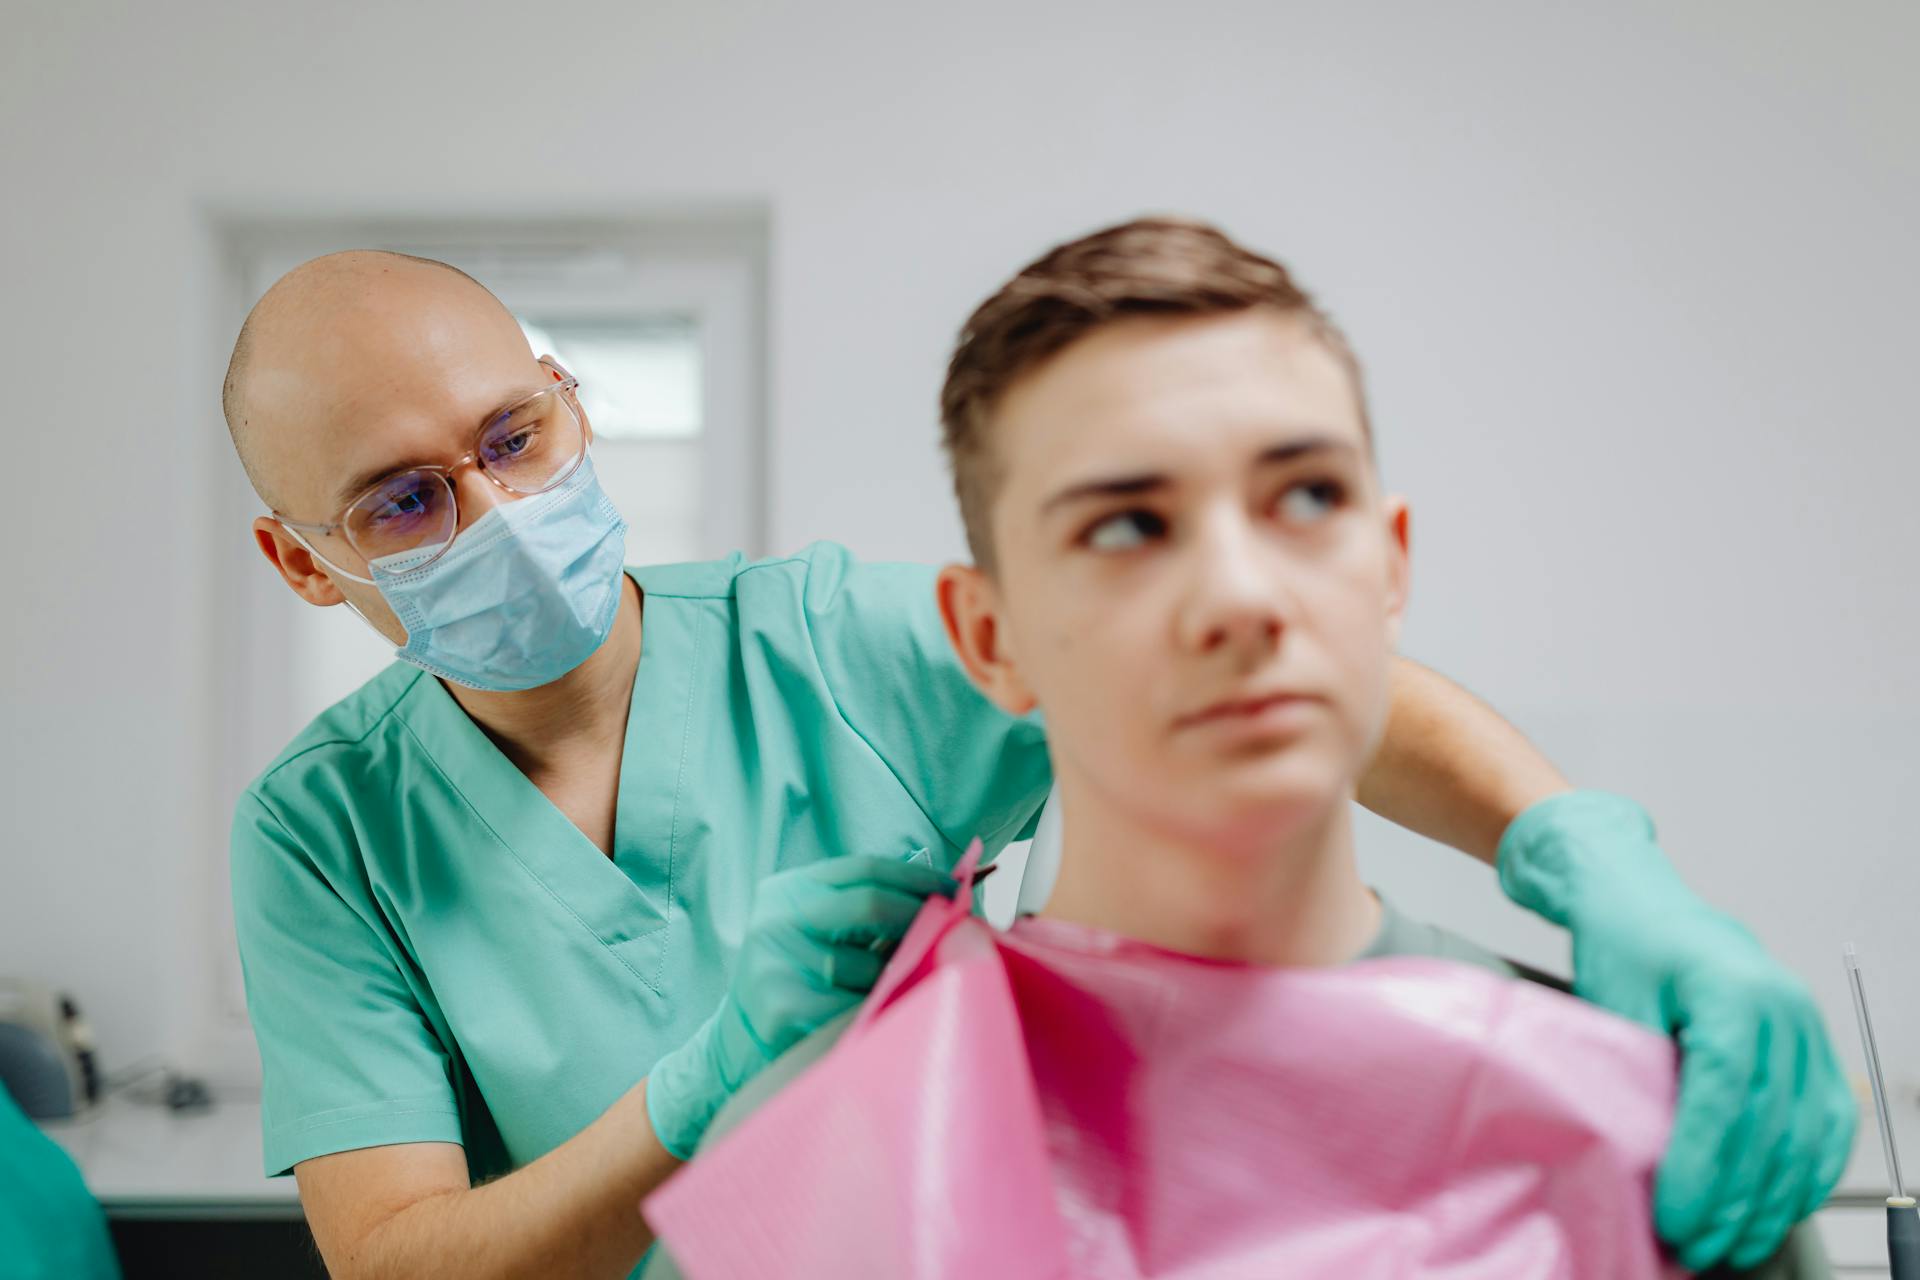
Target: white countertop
(142,1160)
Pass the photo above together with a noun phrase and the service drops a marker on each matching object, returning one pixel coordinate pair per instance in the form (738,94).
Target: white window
(661,321)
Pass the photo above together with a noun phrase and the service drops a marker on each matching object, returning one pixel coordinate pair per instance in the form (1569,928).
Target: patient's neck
(1298,902)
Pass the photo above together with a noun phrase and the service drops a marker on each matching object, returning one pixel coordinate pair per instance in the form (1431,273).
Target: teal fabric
(433,952)
(50,1226)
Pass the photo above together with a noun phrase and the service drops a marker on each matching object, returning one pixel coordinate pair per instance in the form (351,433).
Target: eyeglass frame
(567,387)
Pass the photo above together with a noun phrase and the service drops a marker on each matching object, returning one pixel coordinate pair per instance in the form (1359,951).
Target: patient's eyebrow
(1133,485)
(1295,449)
(1112,487)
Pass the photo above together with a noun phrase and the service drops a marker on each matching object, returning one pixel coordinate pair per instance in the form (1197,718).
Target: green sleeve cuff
(375,1124)
(1542,859)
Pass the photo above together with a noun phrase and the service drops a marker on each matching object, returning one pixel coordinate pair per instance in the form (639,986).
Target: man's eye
(401,506)
(1124,531)
(1312,501)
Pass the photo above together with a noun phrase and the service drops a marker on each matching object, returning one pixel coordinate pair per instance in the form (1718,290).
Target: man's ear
(970,607)
(294,562)
(1399,564)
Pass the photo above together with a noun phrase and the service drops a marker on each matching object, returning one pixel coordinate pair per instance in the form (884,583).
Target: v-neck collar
(623,898)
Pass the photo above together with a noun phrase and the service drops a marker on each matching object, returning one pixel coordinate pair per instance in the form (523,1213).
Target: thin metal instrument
(1903,1217)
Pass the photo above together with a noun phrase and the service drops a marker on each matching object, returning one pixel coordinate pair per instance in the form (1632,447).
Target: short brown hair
(1150,266)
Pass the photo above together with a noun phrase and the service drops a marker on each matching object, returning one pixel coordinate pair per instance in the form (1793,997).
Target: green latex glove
(1765,1120)
(815,943)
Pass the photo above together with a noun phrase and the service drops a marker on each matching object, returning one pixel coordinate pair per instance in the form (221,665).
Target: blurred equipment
(46,1052)
(1903,1219)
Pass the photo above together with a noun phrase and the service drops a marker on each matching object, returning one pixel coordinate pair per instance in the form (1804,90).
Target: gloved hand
(1765,1120)
(816,941)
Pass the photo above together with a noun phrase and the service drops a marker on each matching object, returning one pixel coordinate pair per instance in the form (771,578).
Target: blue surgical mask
(525,594)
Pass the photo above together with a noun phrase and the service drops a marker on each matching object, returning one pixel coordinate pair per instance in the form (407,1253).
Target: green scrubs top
(434,953)
(51,1228)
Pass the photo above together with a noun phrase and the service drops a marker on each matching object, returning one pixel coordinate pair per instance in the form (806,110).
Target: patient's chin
(1246,808)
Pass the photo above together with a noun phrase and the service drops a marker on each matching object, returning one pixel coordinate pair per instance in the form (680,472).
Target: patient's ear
(970,606)
(1399,566)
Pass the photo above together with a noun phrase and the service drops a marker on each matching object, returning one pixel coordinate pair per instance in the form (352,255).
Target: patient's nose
(1233,599)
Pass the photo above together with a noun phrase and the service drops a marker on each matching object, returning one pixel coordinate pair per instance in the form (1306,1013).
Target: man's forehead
(343,325)
(381,377)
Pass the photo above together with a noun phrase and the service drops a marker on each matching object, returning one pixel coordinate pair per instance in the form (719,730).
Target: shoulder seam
(343,740)
(307,861)
(720,595)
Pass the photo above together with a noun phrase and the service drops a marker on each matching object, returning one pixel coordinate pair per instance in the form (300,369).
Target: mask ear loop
(315,553)
(349,576)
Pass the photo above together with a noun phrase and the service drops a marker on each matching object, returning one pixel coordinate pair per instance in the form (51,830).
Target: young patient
(1184,555)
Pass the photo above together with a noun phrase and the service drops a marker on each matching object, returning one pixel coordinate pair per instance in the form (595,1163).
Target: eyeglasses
(408,519)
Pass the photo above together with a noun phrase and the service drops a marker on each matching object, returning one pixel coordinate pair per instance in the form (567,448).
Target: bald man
(522,912)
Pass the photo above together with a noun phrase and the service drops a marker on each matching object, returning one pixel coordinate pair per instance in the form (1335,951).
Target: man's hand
(817,940)
(1765,1120)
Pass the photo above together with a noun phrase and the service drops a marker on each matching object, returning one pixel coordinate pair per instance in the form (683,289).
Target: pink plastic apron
(1057,1102)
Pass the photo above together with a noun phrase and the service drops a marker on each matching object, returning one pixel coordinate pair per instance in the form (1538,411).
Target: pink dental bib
(1055,1102)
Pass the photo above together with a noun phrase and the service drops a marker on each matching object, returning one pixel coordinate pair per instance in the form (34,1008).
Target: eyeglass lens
(408,518)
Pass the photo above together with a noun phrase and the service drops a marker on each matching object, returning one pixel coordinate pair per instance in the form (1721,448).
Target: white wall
(1632,283)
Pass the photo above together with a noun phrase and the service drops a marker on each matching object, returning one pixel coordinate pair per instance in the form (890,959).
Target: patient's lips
(1270,711)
